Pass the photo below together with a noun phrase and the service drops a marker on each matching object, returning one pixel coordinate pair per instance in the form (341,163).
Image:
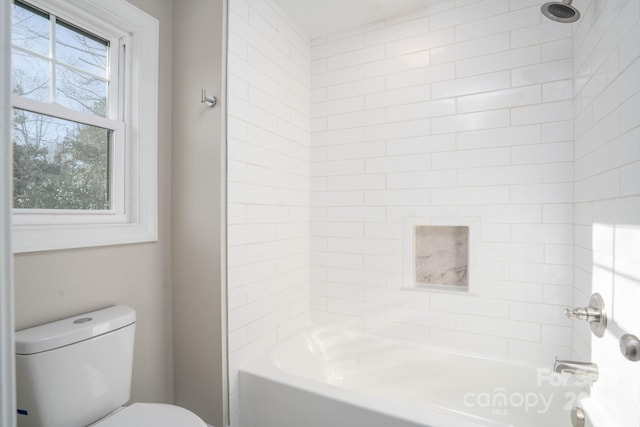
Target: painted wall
(607,195)
(452,115)
(268,189)
(198,211)
(57,284)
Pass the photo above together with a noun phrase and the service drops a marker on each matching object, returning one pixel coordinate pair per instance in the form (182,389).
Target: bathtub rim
(331,326)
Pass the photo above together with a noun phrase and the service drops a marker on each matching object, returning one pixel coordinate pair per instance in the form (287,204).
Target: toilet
(76,372)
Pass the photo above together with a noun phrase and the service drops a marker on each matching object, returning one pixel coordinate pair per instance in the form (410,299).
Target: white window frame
(134,36)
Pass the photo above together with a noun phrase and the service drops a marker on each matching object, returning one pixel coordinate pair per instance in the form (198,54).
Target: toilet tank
(74,371)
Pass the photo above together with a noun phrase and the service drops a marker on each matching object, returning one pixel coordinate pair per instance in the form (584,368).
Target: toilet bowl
(76,372)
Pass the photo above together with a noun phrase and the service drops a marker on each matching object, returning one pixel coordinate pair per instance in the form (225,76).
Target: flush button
(82,320)
(630,347)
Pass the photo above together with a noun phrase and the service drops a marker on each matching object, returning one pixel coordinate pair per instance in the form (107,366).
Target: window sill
(30,238)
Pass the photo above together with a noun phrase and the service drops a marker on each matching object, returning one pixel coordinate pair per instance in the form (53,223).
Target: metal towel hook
(211,101)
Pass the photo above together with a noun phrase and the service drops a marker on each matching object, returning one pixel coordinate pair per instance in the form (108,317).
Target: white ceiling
(321,17)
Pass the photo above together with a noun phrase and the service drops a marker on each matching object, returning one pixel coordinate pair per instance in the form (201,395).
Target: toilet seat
(151,414)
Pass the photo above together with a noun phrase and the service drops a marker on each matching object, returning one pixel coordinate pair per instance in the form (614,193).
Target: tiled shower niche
(441,257)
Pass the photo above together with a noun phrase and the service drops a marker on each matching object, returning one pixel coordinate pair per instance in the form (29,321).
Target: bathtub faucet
(581,369)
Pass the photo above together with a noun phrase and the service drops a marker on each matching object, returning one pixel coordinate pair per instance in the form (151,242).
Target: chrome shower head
(560,11)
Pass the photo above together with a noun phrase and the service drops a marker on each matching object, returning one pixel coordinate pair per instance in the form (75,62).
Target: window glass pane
(80,91)
(81,50)
(80,78)
(31,29)
(60,164)
(31,76)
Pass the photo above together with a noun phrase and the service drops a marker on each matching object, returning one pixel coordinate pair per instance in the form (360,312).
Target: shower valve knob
(584,313)
(594,314)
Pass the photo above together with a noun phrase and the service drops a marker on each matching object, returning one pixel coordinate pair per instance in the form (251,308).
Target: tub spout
(585,370)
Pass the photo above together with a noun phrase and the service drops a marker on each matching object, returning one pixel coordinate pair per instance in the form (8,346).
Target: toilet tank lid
(73,329)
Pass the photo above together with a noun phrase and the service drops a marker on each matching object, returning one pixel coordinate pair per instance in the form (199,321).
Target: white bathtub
(338,378)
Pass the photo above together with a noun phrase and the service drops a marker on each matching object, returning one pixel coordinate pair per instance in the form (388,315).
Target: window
(84,124)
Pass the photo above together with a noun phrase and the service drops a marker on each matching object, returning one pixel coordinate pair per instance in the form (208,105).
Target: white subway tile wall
(268,182)
(607,194)
(607,148)
(463,113)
